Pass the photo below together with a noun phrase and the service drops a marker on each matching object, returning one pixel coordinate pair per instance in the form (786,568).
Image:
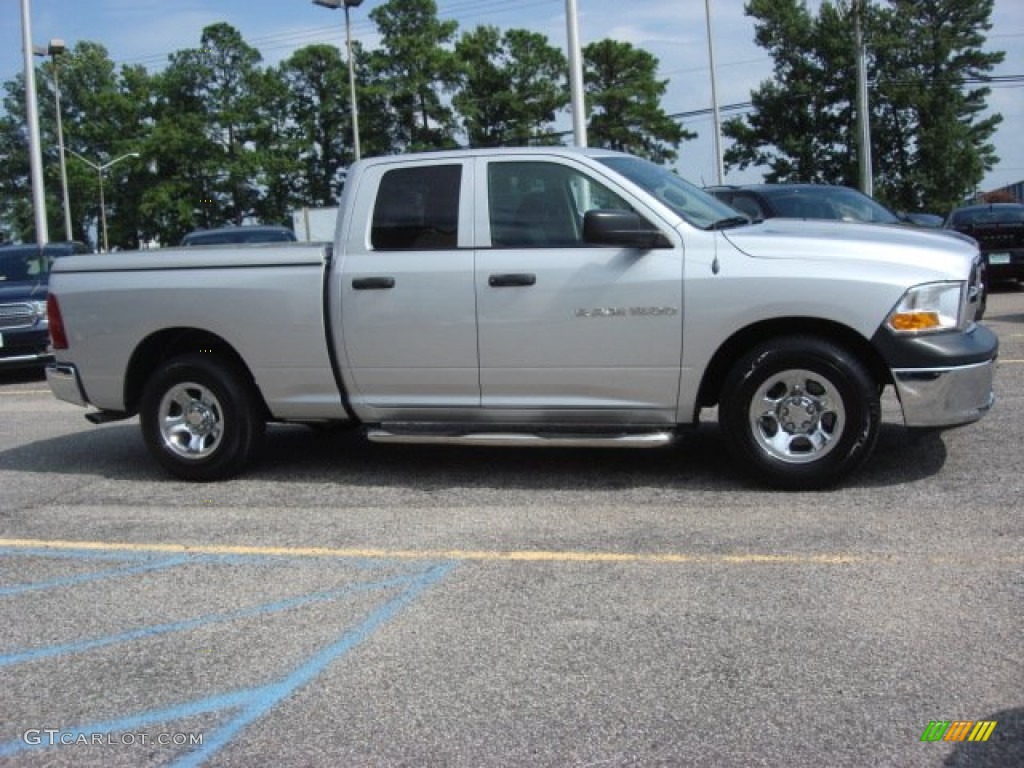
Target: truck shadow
(1004,748)
(292,454)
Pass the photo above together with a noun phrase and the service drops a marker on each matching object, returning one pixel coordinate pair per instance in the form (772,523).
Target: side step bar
(523,439)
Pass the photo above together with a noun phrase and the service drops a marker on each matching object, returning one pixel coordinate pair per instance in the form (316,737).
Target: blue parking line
(257,701)
(20,657)
(269,696)
(84,578)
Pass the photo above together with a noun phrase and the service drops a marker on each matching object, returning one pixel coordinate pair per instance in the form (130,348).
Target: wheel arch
(747,338)
(169,343)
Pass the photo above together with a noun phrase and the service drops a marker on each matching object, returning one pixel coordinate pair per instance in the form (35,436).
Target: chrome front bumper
(945,397)
(64,383)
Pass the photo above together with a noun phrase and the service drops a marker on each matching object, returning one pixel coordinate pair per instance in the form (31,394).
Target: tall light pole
(99,172)
(863,118)
(353,105)
(55,48)
(719,171)
(32,116)
(579,116)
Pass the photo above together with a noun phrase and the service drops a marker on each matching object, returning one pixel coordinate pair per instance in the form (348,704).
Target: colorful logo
(958,730)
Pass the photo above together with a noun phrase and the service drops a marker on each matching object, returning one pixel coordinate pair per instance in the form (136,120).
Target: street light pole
(54,49)
(60,144)
(576,97)
(719,171)
(32,116)
(353,105)
(99,172)
(863,115)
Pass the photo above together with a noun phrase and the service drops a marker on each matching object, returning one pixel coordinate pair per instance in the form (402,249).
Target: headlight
(928,308)
(39,307)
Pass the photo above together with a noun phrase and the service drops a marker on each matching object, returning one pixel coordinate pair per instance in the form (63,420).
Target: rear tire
(800,413)
(200,418)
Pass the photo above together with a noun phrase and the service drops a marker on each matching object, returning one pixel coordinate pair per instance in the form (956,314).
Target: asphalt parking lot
(351,604)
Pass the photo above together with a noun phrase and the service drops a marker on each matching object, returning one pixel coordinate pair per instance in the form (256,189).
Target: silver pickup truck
(552,297)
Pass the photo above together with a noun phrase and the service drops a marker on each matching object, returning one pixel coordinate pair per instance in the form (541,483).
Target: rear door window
(417,209)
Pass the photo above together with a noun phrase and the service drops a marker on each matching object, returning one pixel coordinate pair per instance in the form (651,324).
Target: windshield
(240,235)
(824,202)
(693,204)
(969,217)
(23,265)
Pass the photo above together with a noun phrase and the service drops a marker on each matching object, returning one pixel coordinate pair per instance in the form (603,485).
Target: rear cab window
(417,209)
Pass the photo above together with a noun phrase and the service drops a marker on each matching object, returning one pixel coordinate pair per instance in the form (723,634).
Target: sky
(146,31)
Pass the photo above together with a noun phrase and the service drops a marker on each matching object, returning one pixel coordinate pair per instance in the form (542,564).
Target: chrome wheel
(797,416)
(191,421)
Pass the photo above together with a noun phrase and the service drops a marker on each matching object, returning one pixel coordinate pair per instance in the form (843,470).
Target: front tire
(200,418)
(800,412)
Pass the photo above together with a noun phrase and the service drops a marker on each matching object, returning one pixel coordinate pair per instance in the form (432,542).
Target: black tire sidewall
(242,425)
(859,394)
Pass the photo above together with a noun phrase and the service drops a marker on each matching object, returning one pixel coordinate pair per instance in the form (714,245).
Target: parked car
(825,201)
(239,235)
(998,229)
(931,220)
(24,274)
(807,201)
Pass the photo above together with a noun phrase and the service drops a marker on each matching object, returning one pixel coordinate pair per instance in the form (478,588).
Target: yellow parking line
(441,554)
(24,392)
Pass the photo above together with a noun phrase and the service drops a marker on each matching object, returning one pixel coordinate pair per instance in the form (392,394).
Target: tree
(624,98)
(316,88)
(411,71)
(510,86)
(802,123)
(949,149)
(103,118)
(928,144)
(209,146)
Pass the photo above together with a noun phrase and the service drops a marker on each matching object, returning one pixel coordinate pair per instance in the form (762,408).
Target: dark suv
(239,235)
(999,230)
(806,201)
(24,273)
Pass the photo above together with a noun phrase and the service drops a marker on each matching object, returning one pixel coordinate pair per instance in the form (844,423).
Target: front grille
(17,316)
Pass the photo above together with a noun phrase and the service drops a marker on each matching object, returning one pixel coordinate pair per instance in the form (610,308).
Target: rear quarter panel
(266,302)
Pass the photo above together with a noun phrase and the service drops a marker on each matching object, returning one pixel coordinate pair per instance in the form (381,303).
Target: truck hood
(827,240)
(22,291)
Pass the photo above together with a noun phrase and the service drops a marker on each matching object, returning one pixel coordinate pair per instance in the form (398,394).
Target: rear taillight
(58,338)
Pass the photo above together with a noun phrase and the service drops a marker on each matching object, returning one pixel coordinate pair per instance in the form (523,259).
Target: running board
(527,440)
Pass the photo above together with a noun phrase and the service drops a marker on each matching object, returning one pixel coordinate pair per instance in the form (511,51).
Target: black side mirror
(625,228)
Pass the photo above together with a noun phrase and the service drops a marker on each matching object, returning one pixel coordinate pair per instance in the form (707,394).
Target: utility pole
(719,166)
(35,154)
(863,114)
(579,117)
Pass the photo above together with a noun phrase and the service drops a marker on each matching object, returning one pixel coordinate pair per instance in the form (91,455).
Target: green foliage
(223,139)
(510,87)
(412,70)
(624,97)
(929,146)
(315,107)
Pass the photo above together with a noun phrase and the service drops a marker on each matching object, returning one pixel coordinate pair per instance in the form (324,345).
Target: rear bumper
(65,384)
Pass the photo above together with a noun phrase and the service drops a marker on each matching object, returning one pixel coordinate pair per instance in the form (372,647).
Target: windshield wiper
(729,222)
